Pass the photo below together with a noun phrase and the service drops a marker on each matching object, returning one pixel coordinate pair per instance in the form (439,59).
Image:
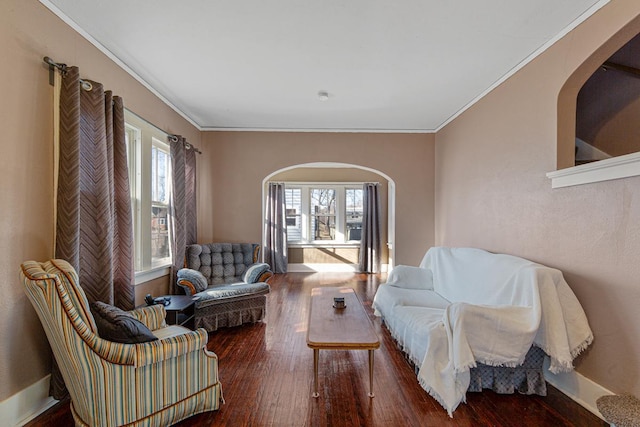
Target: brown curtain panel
(370,243)
(94,229)
(275,249)
(184,218)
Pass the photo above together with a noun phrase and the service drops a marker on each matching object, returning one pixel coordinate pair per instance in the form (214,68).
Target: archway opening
(334,256)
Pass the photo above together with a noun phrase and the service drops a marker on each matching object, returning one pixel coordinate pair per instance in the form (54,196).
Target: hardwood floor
(266,371)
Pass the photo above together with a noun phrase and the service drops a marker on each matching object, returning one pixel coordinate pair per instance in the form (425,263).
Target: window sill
(323,245)
(602,170)
(153,273)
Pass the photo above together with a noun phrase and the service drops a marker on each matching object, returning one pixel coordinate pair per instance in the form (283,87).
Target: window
(354,213)
(150,180)
(323,213)
(159,202)
(293,199)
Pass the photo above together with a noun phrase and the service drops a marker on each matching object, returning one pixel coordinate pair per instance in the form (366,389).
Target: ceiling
(409,66)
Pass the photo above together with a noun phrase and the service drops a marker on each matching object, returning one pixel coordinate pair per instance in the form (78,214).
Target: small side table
(181,310)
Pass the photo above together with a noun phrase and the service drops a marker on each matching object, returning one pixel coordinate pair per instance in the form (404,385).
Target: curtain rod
(174,138)
(86,85)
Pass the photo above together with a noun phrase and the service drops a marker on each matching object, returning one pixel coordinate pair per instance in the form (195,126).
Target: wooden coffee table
(332,328)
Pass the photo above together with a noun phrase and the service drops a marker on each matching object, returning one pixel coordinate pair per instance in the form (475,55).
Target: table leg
(315,373)
(371,374)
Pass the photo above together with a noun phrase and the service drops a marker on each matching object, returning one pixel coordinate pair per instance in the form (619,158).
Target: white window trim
(602,170)
(148,135)
(340,214)
(151,274)
(164,146)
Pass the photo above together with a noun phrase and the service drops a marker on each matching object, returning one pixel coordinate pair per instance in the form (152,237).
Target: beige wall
(28,32)
(234,165)
(491,192)
(155,287)
(320,174)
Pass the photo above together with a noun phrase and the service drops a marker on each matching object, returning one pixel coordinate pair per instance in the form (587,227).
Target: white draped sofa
(469,319)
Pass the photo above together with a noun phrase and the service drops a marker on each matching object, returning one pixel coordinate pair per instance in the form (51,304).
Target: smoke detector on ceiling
(323,95)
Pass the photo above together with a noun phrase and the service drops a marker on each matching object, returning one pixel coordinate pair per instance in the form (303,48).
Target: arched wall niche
(569,92)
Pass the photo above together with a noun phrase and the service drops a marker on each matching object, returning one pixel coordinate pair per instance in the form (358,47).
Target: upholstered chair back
(64,312)
(222,262)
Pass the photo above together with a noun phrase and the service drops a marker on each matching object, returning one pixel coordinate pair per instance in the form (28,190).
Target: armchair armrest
(189,288)
(149,352)
(171,347)
(264,277)
(153,316)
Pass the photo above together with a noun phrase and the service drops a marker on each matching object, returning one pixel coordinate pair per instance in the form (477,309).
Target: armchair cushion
(119,326)
(195,277)
(254,272)
(231,291)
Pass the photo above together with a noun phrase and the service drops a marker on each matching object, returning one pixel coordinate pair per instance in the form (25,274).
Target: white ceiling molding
(70,22)
(260,66)
(579,20)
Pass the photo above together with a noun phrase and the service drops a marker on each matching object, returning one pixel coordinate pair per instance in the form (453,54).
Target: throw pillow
(196,278)
(119,326)
(409,277)
(254,272)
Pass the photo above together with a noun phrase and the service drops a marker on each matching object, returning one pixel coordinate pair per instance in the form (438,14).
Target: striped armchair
(156,383)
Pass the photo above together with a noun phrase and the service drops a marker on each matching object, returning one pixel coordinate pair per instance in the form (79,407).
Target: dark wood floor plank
(267,375)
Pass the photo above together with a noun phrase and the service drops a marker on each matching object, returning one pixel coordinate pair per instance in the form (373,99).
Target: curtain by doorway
(370,243)
(183,218)
(275,250)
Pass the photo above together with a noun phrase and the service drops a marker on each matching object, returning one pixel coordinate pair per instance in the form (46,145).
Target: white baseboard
(328,268)
(578,387)
(27,404)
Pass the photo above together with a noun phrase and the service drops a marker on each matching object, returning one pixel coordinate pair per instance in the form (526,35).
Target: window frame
(164,147)
(298,216)
(142,138)
(335,215)
(340,238)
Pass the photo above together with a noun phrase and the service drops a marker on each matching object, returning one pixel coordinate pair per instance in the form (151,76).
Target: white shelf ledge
(602,170)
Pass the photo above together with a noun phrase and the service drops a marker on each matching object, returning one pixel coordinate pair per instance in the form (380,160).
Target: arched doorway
(322,169)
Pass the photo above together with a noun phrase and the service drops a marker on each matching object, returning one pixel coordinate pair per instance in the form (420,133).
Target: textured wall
(491,192)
